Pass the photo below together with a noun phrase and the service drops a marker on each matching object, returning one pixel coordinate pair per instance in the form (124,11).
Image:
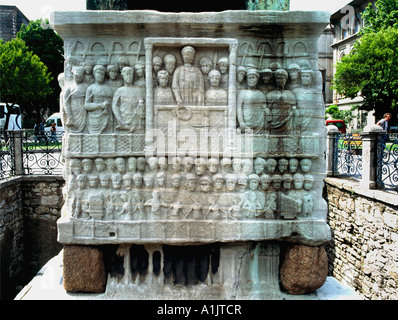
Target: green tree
(337,114)
(371,71)
(43,41)
(380,16)
(24,79)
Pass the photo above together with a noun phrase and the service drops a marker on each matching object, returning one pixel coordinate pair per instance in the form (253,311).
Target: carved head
(266,75)
(271,165)
(213,165)
(240,73)
(120,165)
(265,180)
(214,77)
(254,181)
(276,181)
(287,181)
(128,181)
(305,165)
(283,164)
(87,165)
(160,178)
(236,164)
(242,181)
(200,166)
(205,184)
(306,77)
(188,54)
(128,74)
(176,180)
(308,182)
(190,182)
(112,71)
(294,71)
(163,78)
(259,165)
(218,181)
(100,164)
(252,77)
(157,64)
(99,73)
(78,74)
(205,65)
(298,180)
(230,181)
(281,76)
(223,65)
(293,165)
(170,63)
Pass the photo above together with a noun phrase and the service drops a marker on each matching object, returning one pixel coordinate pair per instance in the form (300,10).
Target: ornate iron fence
(387,163)
(347,155)
(23,153)
(7,163)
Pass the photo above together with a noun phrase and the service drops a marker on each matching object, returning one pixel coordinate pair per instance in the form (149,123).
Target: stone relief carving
(118,91)
(140,189)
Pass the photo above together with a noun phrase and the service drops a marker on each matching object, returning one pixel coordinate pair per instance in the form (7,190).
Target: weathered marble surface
(192,127)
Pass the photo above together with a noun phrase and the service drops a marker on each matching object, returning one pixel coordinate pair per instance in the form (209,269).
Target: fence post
(369,156)
(333,132)
(17,143)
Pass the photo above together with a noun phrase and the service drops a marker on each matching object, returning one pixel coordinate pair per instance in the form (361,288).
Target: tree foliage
(336,114)
(24,79)
(40,38)
(380,16)
(371,68)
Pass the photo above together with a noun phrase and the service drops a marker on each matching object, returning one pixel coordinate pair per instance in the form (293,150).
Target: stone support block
(304,269)
(84,269)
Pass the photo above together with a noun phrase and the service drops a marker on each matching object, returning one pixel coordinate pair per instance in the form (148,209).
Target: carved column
(149,128)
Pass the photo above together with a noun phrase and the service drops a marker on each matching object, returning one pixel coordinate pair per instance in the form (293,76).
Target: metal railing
(387,163)
(382,154)
(24,153)
(347,155)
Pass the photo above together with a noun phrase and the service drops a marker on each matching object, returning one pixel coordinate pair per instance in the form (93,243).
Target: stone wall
(29,209)
(363,252)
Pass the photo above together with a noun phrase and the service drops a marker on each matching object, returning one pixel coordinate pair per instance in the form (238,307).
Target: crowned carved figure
(188,83)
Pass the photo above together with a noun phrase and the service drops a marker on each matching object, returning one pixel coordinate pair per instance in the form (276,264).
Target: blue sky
(41,8)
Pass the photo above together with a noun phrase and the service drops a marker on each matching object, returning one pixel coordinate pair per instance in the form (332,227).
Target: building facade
(346,24)
(11,19)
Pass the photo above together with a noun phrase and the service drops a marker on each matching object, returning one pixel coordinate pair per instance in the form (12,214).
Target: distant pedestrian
(53,137)
(39,135)
(384,122)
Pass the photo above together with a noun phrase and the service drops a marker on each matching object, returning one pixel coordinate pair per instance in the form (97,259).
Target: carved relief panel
(212,132)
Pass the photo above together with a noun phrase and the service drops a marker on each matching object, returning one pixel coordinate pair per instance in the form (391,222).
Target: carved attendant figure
(98,102)
(74,99)
(282,106)
(125,103)
(251,105)
(114,82)
(163,94)
(215,96)
(309,103)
